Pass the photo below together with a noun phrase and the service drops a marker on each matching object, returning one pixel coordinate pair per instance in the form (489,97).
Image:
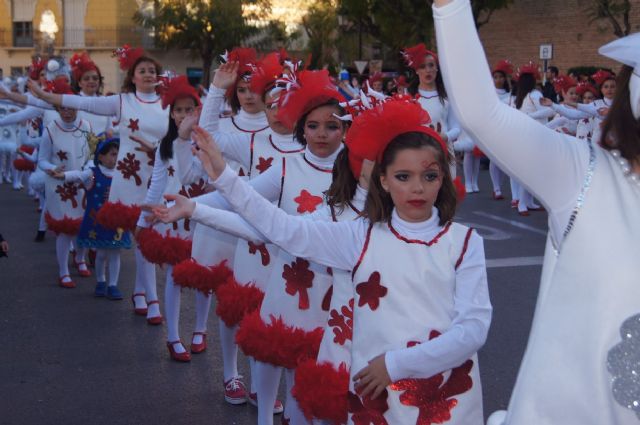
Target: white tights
(267,380)
(471,168)
(108,258)
(496,177)
(146,283)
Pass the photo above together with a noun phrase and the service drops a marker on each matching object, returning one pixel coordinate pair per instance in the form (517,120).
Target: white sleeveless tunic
(71,150)
(403,300)
(148,121)
(593,348)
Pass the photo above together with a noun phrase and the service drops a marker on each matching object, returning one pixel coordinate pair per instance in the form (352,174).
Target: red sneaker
(234,391)
(277,406)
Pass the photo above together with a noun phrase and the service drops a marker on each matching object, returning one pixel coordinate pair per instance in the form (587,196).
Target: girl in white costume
(414,344)
(64,147)
(583,348)
(588,94)
(170,244)
(143,123)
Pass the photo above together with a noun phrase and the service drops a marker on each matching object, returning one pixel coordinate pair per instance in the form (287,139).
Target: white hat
(627,51)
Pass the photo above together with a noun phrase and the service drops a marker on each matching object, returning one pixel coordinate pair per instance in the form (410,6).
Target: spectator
(548,91)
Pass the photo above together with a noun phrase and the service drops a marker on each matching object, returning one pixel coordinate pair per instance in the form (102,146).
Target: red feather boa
(321,391)
(190,274)
(276,342)
(234,301)
(67,226)
(22,164)
(160,249)
(114,215)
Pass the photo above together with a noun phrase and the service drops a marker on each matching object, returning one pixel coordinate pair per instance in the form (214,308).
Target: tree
(321,23)
(616,12)
(204,27)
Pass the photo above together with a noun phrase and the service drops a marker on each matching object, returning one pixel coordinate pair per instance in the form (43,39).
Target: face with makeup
(570,95)
(249,101)
(181,108)
(89,82)
(67,115)
(588,97)
(427,73)
(413,179)
(145,77)
(323,132)
(608,89)
(271,111)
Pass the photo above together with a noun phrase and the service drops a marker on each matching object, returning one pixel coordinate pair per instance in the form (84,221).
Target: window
(22,34)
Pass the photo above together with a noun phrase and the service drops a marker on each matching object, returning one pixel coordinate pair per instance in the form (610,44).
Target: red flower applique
(129,166)
(194,189)
(326,300)
(342,323)
(371,291)
(264,164)
(241,172)
(62,155)
(133,125)
(151,156)
(171,171)
(68,192)
(298,279)
(307,202)
(367,411)
(264,252)
(433,398)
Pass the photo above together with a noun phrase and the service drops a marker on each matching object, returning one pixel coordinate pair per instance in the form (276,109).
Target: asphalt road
(69,358)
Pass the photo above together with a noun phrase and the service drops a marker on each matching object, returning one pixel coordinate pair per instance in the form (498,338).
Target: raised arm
(25,114)
(468,331)
(99,105)
(571,113)
(545,161)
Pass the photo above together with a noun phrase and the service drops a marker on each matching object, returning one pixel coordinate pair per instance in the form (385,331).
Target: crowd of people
(320,215)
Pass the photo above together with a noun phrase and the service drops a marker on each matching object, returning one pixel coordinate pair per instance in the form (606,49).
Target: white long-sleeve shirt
(86,176)
(340,244)
(102,105)
(453,126)
(46,143)
(548,164)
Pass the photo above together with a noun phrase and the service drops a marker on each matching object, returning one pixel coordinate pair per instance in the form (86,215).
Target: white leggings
(172,297)
(108,258)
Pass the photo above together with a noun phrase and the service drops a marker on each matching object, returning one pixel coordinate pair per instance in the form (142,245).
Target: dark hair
(298,130)
(554,69)
(75,85)
(621,130)
(440,88)
(526,84)
(166,143)
(344,183)
(379,204)
(127,85)
(233,100)
(505,85)
(106,148)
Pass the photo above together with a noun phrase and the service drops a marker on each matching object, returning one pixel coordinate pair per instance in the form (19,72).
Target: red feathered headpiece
(300,92)
(59,86)
(414,56)
(584,87)
(373,129)
(127,56)
(601,76)
(563,83)
(246,58)
(377,76)
(177,88)
(504,66)
(401,81)
(530,68)
(37,65)
(81,63)
(265,73)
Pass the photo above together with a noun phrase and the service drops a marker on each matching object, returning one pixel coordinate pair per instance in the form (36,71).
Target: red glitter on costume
(264,164)
(371,291)
(307,202)
(298,279)
(264,252)
(366,411)
(342,323)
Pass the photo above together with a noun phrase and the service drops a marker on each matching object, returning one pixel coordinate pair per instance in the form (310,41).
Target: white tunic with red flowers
(243,123)
(64,145)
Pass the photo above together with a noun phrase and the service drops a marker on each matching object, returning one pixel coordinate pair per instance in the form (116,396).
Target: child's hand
(208,153)
(226,75)
(186,126)
(56,173)
(182,208)
(144,145)
(373,379)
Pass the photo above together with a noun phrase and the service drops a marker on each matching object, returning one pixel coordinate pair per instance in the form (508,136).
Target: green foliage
(321,23)
(616,12)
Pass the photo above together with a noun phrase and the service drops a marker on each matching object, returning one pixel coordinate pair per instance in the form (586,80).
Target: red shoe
(68,284)
(155,320)
(234,391)
(524,213)
(497,197)
(82,273)
(138,311)
(514,204)
(199,348)
(277,406)
(179,357)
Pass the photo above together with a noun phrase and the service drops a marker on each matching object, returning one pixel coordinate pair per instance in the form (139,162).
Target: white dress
(579,362)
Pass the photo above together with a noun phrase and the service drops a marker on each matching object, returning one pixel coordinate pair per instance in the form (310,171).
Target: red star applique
(263,164)
(366,411)
(133,125)
(307,202)
(298,279)
(433,396)
(62,155)
(171,170)
(371,291)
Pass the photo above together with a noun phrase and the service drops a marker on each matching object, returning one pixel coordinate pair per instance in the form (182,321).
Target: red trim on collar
(146,101)
(71,130)
(429,97)
(431,242)
(301,149)
(233,121)
(324,170)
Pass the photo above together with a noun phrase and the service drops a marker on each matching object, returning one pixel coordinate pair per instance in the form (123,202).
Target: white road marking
(514,262)
(511,222)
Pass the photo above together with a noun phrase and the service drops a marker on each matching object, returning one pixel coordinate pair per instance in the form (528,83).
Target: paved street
(68,358)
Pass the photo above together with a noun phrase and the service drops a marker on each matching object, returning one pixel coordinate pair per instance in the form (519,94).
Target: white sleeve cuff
(391,362)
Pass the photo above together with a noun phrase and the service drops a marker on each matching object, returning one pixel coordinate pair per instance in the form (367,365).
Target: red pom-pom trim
(22,164)
(115,215)
(477,152)
(160,249)
(461,192)
(276,342)
(234,301)
(321,391)
(190,274)
(66,226)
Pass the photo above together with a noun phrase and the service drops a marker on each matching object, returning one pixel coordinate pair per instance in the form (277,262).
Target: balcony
(75,39)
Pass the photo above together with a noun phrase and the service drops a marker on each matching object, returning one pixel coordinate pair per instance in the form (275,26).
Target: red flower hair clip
(414,56)
(530,68)
(127,56)
(562,83)
(584,87)
(177,87)
(58,86)
(601,76)
(504,66)
(246,58)
(81,63)
(37,65)
(265,72)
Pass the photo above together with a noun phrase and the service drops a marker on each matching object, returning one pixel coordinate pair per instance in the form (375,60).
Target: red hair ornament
(265,72)
(584,87)
(504,66)
(246,58)
(127,56)
(563,83)
(59,86)
(530,68)
(176,88)
(415,56)
(37,66)
(601,76)
(81,63)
